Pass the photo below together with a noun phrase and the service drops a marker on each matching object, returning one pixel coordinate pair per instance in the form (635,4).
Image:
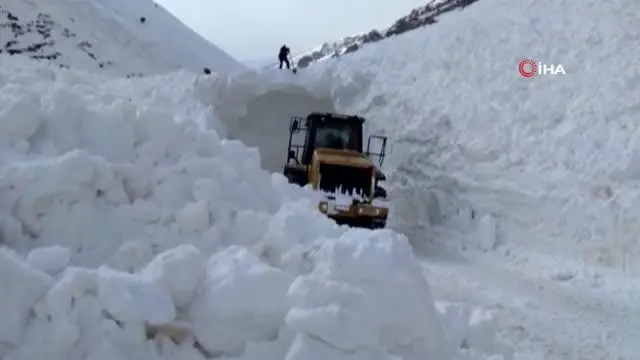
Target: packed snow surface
(115,37)
(133,229)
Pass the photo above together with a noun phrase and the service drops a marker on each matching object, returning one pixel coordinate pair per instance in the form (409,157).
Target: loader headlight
(371,211)
(323,207)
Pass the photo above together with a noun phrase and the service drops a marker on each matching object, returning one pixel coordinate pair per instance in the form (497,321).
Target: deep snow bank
(552,160)
(182,234)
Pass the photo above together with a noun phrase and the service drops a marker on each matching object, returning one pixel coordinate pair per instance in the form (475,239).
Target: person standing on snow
(283,56)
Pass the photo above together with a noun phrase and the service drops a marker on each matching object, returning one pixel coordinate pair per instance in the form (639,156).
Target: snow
(142,231)
(381,266)
(427,14)
(226,314)
(180,271)
(72,35)
(131,298)
(50,259)
(23,285)
(521,191)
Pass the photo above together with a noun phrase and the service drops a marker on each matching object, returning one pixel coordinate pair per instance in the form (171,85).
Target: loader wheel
(377,224)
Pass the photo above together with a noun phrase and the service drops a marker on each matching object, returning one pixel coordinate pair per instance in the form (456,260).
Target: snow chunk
(289,234)
(22,286)
(381,265)
(73,283)
(193,217)
(333,312)
(50,259)
(132,255)
(241,300)
(179,270)
(134,298)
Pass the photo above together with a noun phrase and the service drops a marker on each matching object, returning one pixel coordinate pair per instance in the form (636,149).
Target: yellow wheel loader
(329,156)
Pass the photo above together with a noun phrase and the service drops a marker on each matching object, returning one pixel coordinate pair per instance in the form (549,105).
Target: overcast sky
(255,29)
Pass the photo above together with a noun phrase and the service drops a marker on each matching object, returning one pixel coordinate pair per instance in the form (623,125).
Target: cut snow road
(546,318)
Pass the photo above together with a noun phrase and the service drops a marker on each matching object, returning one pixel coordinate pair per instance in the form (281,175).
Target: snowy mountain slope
(114,37)
(419,17)
(535,179)
(184,238)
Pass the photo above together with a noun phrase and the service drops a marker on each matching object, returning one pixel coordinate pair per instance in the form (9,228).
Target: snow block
(381,265)
(194,217)
(50,259)
(241,299)
(21,286)
(132,255)
(179,270)
(134,298)
(294,227)
(335,313)
(72,284)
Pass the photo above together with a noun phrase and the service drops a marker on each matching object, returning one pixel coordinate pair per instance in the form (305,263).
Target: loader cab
(327,130)
(332,131)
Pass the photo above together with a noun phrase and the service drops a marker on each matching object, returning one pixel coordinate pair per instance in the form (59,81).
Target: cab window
(334,136)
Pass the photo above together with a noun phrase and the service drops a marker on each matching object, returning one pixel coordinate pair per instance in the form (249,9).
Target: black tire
(377,224)
(379,192)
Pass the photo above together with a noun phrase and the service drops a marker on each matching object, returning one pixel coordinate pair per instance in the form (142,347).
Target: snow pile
(179,245)
(132,38)
(235,305)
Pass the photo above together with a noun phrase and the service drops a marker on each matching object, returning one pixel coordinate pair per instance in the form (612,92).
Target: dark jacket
(284,52)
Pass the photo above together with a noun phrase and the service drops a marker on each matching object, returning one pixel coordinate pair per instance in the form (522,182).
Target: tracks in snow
(544,318)
(591,314)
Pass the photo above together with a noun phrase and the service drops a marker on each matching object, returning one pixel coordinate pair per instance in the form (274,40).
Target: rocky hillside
(38,31)
(124,39)
(422,16)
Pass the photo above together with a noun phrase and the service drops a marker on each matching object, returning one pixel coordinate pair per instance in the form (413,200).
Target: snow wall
(265,124)
(133,229)
(257,107)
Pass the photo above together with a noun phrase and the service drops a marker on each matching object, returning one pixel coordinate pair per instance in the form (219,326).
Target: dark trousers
(283,59)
